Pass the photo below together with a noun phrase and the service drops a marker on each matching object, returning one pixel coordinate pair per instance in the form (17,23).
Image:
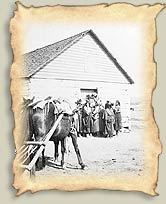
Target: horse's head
(26,102)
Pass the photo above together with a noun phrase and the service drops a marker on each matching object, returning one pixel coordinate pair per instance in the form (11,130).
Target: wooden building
(75,67)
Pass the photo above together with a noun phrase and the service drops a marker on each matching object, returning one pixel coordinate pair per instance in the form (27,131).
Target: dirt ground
(116,155)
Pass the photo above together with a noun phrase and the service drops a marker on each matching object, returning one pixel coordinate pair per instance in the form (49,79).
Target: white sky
(124,41)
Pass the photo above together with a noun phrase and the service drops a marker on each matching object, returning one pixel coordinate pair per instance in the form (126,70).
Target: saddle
(60,106)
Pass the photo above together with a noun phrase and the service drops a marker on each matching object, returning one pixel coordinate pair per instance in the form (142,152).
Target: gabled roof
(39,58)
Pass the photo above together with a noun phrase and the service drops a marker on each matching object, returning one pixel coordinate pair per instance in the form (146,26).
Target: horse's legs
(43,159)
(75,144)
(39,132)
(56,144)
(63,150)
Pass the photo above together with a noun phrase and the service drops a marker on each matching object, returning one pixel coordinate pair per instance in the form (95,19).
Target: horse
(42,116)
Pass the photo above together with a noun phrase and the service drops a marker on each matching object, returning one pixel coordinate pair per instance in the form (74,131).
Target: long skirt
(109,128)
(101,122)
(118,121)
(80,130)
(86,125)
(96,125)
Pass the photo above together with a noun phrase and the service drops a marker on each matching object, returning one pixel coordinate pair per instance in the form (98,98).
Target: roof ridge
(37,59)
(86,31)
(108,53)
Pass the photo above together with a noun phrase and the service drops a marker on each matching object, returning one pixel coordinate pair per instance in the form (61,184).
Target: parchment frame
(146,184)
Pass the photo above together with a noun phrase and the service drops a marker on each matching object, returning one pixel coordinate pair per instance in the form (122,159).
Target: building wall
(71,91)
(84,60)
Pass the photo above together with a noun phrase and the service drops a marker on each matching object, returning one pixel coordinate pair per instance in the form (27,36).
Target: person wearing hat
(107,104)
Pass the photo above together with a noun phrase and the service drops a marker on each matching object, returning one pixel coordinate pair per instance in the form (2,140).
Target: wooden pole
(34,143)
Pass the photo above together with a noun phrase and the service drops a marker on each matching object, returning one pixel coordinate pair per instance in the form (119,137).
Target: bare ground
(120,154)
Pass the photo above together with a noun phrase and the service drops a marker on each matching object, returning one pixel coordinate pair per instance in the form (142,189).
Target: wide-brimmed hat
(79,101)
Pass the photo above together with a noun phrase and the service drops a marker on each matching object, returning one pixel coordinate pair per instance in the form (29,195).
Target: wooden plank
(33,143)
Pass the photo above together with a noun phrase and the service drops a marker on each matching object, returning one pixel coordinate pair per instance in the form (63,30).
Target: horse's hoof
(84,167)
(63,165)
(52,161)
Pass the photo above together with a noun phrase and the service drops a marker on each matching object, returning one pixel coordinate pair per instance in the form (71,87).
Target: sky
(124,41)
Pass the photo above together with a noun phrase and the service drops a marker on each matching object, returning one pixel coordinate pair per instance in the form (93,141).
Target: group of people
(94,119)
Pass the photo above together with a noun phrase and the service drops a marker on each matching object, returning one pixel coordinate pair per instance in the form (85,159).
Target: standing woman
(86,111)
(109,120)
(95,119)
(101,119)
(118,117)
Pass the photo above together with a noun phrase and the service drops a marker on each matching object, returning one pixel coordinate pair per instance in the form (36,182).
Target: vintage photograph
(82,107)
(78,81)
